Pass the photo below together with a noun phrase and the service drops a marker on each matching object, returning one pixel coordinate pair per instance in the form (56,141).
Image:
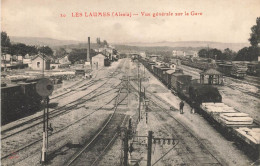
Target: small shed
(98,60)
(40,61)
(212,75)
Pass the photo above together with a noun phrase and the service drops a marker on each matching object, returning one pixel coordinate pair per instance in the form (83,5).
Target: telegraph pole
(42,65)
(44,144)
(47,119)
(149,153)
(208,52)
(126,148)
(144,71)
(139,79)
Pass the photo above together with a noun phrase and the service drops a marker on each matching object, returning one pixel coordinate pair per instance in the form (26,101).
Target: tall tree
(228,54)
(60,52)
(215,53)
(78,55)
(46,50)
(22,49)
(203,53)
(105,43)
(5,40)
(98,41)
(255,35)
(248,54)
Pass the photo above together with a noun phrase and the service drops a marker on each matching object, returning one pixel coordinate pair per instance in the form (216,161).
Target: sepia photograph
(130,83)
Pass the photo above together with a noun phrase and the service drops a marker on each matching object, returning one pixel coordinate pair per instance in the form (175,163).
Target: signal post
(44,88)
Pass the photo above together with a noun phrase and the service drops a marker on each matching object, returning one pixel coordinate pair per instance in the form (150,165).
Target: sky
(227,21)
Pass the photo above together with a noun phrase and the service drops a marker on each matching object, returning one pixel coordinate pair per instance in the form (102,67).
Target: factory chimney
(88,53)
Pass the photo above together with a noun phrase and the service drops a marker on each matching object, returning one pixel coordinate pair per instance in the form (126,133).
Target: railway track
(56,112)
(73,103)
(190,146)
(92,152)
(256,95)
(3,131)
(54,133)
(250,80)
(194,73)
(60,112)
(67,109)
(74,87)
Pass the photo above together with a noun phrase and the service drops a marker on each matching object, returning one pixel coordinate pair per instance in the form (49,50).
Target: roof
(157,66)
(165,68)
(211,72)
(177,74)
(99,55)
(227,65)
(63,56)
(170,71)
(41,56)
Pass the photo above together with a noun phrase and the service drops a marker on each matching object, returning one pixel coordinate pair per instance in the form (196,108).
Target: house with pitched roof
(41,61)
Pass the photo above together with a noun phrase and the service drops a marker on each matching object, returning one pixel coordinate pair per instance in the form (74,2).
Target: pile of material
(236,119)
(216,108)
(252,134)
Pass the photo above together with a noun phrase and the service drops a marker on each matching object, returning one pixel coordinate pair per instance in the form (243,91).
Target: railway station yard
(83,106)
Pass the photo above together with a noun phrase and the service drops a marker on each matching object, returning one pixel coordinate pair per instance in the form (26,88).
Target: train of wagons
(229,69)
(207,101)
(253,69)
(108,60)
(20,99)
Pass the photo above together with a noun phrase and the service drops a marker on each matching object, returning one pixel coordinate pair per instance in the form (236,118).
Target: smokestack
(88,53)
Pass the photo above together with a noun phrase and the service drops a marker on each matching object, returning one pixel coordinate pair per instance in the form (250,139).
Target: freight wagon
(18,101)
(253,69)
(233,70)
(201,97)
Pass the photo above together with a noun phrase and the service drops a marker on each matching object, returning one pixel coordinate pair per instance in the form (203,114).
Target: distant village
(55,60)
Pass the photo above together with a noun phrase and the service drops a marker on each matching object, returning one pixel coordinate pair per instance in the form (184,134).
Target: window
(38,64)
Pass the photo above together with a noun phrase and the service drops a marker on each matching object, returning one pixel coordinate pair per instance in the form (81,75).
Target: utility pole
(144,94)
(144,71)
(44,144)
(139,79)
(208,52)
(42,65)
(5,63)
(44,139)
(140,98)
(126,148)
(128,91)
(47,120)
(149,153)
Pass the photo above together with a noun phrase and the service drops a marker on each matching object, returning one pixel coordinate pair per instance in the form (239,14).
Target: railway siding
(188,119)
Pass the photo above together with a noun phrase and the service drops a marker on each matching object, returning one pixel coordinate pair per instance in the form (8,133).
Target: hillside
(137,46)
(128,49)
(41,41)
(194,44)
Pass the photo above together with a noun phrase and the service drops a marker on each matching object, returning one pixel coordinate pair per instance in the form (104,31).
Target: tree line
(250,53)
(80,55)
(22,49)
(76,55)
